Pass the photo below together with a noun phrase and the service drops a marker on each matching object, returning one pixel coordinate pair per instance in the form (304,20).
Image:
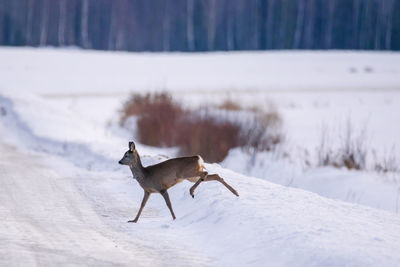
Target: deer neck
(137,168)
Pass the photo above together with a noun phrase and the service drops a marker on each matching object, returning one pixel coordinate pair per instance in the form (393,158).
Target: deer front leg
(145,198)
(164,193)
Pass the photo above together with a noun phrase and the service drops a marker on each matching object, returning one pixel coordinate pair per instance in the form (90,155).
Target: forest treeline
(202,25)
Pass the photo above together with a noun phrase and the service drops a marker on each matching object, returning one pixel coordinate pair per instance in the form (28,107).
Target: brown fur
(160,177)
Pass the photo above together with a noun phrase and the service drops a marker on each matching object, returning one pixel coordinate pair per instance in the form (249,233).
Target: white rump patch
(201,162)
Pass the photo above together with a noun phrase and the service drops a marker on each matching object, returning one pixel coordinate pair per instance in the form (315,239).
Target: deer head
(131,156)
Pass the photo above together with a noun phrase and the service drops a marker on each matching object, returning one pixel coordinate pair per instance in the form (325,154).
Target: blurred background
(206,25)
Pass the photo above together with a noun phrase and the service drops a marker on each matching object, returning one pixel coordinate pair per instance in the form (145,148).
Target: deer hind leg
(216,177)
(212,177)
(165,195)
(145,198)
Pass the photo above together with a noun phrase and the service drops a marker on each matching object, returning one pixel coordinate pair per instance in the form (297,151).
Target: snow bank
(376,190)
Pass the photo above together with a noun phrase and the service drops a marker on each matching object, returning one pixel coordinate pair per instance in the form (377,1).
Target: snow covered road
(46,221)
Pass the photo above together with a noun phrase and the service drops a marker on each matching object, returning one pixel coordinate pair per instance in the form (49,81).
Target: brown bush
(162,122)
(158,118)
(229,105)
(207,137)
(139,104)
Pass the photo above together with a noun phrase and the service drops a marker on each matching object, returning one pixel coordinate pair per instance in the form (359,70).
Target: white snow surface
(55,71)
(64,200)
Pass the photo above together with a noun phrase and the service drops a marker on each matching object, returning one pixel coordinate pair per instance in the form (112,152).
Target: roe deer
(159,177)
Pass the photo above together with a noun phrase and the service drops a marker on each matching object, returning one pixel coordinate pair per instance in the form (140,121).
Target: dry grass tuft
(230,105)
(351,153)
(263,132)
(388,162)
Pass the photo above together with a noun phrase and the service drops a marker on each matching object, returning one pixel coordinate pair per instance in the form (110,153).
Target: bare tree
(309,27)
(166,27)
(2,19)
(230,28)
(44,23)
(329,26)
(378,25)
(388,6)
(62,21)
(113,22)
(270,24)
(122,24)
(84,24)
(211,24)
(356,22)
(364,29)
(299,23)
(189,24)
(29,23)
(255,24)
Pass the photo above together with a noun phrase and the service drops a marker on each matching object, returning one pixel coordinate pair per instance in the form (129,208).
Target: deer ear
(131,146)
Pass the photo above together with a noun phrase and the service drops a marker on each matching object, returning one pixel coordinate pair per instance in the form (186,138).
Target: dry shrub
(158,118)
(351,153)
(163,122)
(229,105)
(139,104)
(207,137)
(388,162)
(354,150)
(263,132)
(324,152)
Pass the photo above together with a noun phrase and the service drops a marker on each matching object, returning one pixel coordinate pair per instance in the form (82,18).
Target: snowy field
(65,200)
